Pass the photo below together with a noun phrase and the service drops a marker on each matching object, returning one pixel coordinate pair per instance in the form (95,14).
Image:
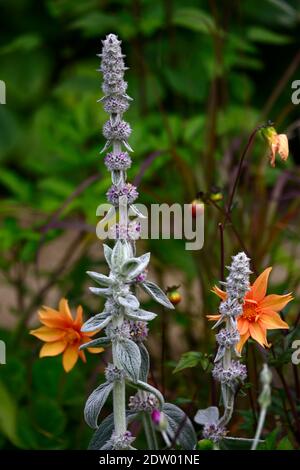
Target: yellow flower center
(250,312)
(72,336)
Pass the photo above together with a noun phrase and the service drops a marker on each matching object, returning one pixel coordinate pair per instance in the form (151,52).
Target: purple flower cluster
(121,441)
(115,104)
(120,161)
(228,338)
(138,330)
(120,130)
(143,402)
(115,192)
(141,277)
(131,231)
(236,373)
(214,432)
(113,374)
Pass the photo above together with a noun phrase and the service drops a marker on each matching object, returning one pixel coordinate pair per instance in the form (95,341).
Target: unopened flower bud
(159,419)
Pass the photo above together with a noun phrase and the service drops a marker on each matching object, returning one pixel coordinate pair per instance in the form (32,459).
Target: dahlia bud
(173,295)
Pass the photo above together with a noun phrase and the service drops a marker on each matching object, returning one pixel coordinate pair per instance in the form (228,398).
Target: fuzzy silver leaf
(135,266)
(95,343)
(128,356)
(97,322)
(179,424)
(101,279)
(95,403)
(102,292)
(157,294)
(145,363)
(140,315)
(129,301)
(107,254)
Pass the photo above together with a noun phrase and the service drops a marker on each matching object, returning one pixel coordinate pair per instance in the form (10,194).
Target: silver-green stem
(227,393)
(119,395)
(260,425)
(119,390)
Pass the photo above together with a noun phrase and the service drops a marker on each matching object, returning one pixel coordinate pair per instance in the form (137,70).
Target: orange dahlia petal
(276,302)
(272,320)
(48,334)
(259,287)
(258,333)
(82,355)
(52,318)
(219,292)
(53,349)
(70,357)
(79,316)
(243,326)
(213,317)
(64,309)
(242,341)
(95,350)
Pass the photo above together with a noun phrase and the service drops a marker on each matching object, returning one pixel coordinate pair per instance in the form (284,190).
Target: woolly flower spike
(115,192)
(278,143)
(237,284)
(62,334)
(259,311)
(115,101)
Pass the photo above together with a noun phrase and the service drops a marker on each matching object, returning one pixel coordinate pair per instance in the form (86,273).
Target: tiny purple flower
(117,161)
(116,131)
(128,190)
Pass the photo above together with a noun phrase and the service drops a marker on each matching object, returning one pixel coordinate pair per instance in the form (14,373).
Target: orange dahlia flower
(62,334)
(260,311)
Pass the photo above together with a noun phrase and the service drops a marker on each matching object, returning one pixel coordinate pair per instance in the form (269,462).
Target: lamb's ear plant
(123,319)
(228,370)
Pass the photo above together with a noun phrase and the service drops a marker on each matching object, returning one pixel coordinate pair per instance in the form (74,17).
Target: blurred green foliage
(202,74)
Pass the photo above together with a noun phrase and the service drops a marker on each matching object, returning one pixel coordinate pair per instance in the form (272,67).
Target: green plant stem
(149,432)
(239,172)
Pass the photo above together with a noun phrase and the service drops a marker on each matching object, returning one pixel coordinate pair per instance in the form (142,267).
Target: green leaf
(270,440)
(16,184)
(187,360)
(195,19)
(266,36)
(8,416)
(285,444)
(48,416)
(236,443)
